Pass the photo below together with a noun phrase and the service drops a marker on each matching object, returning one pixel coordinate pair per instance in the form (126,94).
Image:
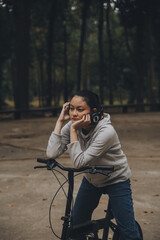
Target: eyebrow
(77,106)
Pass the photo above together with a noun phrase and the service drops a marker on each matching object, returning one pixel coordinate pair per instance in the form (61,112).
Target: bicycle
(90,229)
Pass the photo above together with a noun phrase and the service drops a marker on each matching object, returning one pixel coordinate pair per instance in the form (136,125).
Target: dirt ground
(26,193)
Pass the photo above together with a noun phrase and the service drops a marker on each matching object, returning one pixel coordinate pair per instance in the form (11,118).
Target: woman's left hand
(85,122)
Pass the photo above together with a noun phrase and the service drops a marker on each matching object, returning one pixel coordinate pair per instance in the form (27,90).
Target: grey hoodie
(100,146)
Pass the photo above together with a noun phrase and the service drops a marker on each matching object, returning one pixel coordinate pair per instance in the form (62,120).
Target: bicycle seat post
(68,205)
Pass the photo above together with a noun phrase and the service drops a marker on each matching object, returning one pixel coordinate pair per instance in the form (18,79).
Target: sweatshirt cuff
(56,134)
(73,145)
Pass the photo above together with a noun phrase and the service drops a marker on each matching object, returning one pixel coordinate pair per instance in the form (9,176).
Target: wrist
(58,126)
(61,121)
(73,134)
(73,129)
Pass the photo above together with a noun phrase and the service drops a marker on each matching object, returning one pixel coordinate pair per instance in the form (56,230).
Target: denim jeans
(120,196)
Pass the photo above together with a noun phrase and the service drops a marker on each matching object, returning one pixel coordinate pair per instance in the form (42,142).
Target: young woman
(92,140)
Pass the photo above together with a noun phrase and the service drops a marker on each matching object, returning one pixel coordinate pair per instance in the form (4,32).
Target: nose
(74,112)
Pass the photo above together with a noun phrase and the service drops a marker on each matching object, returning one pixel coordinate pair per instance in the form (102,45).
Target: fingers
(64,115)
(87,118)
(65,105)
(84,122)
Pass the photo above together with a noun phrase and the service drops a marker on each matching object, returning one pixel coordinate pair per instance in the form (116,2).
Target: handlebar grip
(41,160)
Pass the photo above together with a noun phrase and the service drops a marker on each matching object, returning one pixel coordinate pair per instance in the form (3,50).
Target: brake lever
(40,167)
(94,171)
(104,173)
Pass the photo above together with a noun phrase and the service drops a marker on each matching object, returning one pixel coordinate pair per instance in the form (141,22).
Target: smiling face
(78,108)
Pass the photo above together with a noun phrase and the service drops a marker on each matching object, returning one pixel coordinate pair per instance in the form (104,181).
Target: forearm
(54,147)
(73,135)
(58,126)
(62,118)
(58,140)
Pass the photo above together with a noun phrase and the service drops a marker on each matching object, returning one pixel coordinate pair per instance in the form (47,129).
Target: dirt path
(25,193)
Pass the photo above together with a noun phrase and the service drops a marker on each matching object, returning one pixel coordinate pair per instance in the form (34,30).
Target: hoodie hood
(106,118)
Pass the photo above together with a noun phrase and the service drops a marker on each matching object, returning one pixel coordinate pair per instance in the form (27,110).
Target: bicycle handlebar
(52,163)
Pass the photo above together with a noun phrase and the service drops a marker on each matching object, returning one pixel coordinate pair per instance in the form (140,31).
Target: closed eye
(80,110)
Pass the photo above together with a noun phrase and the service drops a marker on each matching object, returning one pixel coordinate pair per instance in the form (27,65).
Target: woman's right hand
(64,115)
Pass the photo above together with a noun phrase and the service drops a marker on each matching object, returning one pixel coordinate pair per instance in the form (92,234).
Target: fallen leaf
(135,180)
(145,211)
(156,195)
(147,223)
(23,183)
(11,205)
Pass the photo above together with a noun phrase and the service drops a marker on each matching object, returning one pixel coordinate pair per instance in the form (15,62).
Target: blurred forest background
(49,49)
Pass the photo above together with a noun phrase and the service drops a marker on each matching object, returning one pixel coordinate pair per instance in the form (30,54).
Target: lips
(75,119)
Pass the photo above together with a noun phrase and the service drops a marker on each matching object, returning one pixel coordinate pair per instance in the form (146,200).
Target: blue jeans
(120,196)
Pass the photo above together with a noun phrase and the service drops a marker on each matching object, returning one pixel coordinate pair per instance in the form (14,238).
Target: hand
(64,115)
(85,123)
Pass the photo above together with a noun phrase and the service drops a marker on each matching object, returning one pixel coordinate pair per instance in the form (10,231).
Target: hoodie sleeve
(103,141)
(57,143)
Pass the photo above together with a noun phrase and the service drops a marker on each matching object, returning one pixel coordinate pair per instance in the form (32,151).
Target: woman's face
(78,108)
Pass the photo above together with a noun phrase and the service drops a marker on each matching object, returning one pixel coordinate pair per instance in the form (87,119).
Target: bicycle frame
(69,231)
(91,226)
(67,216)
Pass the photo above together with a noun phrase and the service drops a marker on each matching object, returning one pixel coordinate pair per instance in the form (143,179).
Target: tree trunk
(41,81)
(150,62)
(101,57)
(110,78)
(22,41)
(50,61)
(85,9)
(65,51)
(1,78)
(86,72)
(132,96)
(65,65)
(138,64)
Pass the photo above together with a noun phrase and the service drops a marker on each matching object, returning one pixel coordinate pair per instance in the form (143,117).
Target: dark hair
(91,98)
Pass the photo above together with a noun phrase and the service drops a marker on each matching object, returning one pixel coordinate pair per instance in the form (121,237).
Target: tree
(139,15)
(85,8)
(21,13)
(65,22)
(110,64)
(50,63)
(101,57)
(4,49)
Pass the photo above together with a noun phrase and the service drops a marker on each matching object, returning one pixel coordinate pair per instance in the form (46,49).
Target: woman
(92,140)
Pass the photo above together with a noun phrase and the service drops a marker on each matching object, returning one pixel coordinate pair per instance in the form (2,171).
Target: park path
(25,193)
